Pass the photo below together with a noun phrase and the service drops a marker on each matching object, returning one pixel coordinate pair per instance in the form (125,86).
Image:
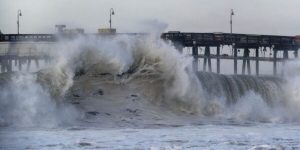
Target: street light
(111,12)
(18,22)
(231,14)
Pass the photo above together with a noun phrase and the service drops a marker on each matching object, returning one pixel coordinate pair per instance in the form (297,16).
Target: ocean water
(258,136)
(140,93)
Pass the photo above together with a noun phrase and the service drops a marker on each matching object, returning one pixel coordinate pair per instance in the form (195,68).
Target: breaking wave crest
(162,76)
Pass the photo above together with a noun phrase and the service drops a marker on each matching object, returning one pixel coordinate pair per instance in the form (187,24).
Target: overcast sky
(251,16)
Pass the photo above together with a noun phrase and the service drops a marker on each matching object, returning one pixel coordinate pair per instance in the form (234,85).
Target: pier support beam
(195,55)
(285,54)
(16,62)
(207,59)
(246,61)
(275,62)
(5,64)
(218,59)
(285,58)
(235,59)
(296,53)
(2,65)
(257,61)
(37,64)
(20,64)
(28,64)
(9,65)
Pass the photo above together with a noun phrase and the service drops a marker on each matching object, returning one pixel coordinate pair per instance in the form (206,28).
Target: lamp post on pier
(111,12)
(18,21)
(232,53)
(231,14)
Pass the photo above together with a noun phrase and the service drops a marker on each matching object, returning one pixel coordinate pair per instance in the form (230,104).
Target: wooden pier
(18,50)
(246,43)
(238,42)
(21,52)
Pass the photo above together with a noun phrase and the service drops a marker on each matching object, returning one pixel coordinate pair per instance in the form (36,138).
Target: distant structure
(1,32)
(107,31)
(74,31)
(61,29)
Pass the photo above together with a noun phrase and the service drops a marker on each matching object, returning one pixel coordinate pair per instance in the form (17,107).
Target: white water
(262,136)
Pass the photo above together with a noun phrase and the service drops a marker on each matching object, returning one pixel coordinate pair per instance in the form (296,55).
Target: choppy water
(258,136)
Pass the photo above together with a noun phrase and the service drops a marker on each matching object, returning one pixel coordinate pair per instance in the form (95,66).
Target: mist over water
(162,76)
(25,102)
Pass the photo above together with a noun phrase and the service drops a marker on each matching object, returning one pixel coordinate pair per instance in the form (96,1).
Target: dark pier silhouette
(244,42)
(18,50)
(15,51)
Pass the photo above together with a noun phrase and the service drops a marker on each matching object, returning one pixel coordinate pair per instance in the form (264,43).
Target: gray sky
(251,16)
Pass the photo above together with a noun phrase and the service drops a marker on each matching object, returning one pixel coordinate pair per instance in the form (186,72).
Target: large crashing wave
(164,76)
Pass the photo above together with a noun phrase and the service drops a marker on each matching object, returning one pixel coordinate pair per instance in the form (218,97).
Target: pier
(22,49)
(238,42)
